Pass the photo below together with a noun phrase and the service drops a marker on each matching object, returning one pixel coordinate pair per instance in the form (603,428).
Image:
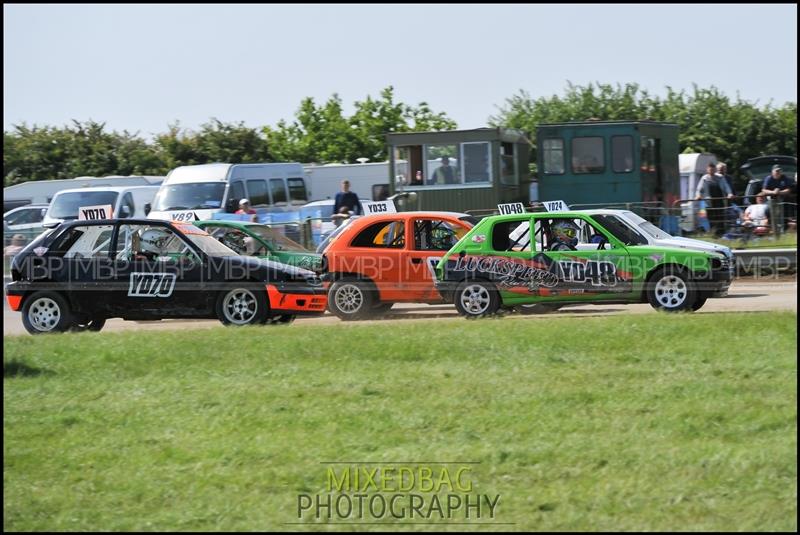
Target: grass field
(652,422)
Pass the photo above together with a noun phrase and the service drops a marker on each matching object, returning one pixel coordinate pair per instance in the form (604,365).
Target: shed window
(442,165)
(622,154)
(508,167)
(587,155)
(553,156)
(477,162)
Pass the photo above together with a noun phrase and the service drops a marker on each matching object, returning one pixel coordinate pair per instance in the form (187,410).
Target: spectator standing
(714,189)
(346,199)
(444,174)
(722,170)
(245,209)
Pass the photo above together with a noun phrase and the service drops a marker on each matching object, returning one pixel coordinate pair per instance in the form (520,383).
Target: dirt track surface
(746,295)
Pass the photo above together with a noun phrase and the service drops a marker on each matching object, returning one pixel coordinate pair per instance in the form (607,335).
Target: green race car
(541,261)
(255,239)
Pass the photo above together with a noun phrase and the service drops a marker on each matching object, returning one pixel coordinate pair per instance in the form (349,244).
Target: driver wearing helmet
(564,236)
(151,244)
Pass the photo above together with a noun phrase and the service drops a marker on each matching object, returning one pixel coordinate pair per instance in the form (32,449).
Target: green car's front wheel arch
(671,288)
(477,298)
(46,312)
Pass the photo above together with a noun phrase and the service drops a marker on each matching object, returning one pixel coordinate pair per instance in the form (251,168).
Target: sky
(142,67)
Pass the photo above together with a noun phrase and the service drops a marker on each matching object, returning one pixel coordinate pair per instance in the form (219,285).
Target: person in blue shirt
(346,199)
(776,183)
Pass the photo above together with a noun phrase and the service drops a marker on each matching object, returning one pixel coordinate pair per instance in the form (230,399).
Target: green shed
(603,162)
(459,170)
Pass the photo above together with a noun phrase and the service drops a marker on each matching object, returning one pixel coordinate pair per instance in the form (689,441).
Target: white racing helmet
(153,241)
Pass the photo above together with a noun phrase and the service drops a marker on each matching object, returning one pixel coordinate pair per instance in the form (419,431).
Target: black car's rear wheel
(242,306)
(46,312)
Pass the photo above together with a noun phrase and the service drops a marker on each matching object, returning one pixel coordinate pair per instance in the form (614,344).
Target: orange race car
(378,260)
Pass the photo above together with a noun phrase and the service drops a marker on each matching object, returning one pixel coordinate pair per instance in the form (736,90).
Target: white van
(202,191)
(125,201)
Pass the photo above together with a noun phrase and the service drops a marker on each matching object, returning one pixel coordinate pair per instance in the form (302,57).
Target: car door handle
(416,260)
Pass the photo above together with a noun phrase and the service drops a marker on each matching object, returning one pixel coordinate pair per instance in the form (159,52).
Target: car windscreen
(193,196)
(330,237)
(66,205)
(624,233)
(275,240)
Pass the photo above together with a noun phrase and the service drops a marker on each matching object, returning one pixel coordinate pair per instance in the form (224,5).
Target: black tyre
(46,312)
(242,306)
(94,325)
(351,299)
(671,290)
(382,308)
(699,302)
(477,299)
(283,319)
(538,308)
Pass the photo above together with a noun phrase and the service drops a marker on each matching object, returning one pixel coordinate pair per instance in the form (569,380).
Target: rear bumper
(306,301)
(15,291)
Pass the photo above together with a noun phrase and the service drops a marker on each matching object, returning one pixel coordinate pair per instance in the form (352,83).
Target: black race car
(79,274)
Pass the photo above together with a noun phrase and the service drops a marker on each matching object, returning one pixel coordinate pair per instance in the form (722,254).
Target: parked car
(25,220)
(376,261)
(255,239)
(557,258)
(81,273)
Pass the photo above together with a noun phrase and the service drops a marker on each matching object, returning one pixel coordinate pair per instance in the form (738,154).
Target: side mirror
(44,211)
(125,211)
(231,205)
(147,208)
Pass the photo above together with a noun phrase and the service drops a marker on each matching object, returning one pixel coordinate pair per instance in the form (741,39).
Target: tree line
(709,121)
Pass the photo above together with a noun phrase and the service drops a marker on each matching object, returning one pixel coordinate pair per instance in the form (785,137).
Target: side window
(278,189)
(587,155)
(297,189)
(387,234)
(568,234)
(553,156)
(436,235)
(258,192)
(512,235)
(237,191)
(126,207)
(153,243)
(622,154)
(91,241)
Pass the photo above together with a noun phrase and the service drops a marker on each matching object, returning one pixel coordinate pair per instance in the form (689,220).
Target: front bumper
(307,300)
